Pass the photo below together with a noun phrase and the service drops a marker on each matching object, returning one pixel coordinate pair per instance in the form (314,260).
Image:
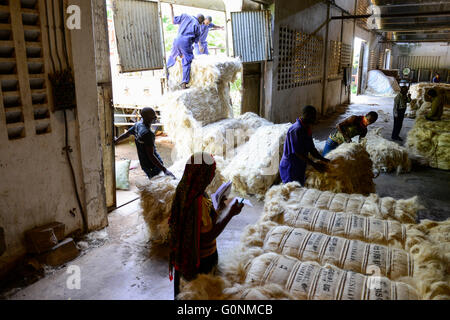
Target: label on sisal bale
(353,255)
(309,281)
(347,225)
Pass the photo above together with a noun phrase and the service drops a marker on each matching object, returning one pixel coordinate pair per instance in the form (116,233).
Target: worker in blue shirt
(201,47)
(436,78)
(298,145)
(188,34)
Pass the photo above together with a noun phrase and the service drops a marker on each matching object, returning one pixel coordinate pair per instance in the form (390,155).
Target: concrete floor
(122,264)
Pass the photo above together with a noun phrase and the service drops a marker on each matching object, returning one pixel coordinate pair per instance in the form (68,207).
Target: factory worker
(149,158)
(201,47)
(298,145)
(436,78)
(188,34)
(351,127)
(437,105)
(400,104)
(194,224)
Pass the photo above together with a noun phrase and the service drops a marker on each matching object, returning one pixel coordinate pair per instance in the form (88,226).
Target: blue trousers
(292,170)
(182,47)
(197,49)
(330,145)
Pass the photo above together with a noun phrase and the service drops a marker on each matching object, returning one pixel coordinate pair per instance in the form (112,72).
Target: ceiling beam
(403,29)
(383,3)
(421,32)
(386,27)
(263,2)
(414,4)
(394,15)
(413,41)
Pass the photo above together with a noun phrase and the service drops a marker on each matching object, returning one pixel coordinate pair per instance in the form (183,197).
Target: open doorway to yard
(133,91)
(357,65)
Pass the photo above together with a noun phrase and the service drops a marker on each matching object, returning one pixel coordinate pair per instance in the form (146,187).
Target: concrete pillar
(83,49)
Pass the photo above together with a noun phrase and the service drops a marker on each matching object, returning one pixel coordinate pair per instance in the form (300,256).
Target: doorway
(359,52)
(387,59)
(135,90)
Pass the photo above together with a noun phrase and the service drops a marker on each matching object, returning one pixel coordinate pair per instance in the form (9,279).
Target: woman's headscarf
(186,216)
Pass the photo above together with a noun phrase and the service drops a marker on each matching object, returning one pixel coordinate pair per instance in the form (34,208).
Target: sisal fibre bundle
(349,171)
(206,71)
(156,197)
(255,167)
(431,140)
(386,155)
(429,244)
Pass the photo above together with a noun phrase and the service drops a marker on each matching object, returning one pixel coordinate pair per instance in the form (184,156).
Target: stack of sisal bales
(324,255)
(185,112)
(292,197)
(431,139)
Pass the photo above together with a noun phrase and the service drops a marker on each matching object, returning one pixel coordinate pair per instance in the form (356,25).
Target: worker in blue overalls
(188,34)
(201,47)
(297,148)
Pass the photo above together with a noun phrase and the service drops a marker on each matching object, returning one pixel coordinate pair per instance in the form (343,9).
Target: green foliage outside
(216,38)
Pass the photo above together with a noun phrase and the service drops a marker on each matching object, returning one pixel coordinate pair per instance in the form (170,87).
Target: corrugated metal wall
(138,32)
(252,36)
(418,62)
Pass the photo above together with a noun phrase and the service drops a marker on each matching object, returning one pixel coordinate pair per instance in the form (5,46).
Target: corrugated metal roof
(252,35)
(138,31)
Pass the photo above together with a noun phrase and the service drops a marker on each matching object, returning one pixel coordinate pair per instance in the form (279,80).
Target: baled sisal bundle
(286,262)
(352,255)
(346,225)
(184,113)
(431,140)
(349,171)
(256,166)
(274,276)
(386,155)
(310,281)
(156,198)
(263,273)
(292,197)
(206,71)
